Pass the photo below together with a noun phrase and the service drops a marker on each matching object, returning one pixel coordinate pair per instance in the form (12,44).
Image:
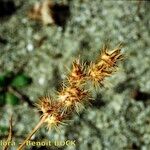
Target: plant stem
(9,139)
(33,131)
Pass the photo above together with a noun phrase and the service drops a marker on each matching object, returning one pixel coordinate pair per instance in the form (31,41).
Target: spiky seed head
(76,76)
(53,121)
(70,96)
(44,104)
(72,92)
(105,66)
(110,58)
(47,105)
(98,73)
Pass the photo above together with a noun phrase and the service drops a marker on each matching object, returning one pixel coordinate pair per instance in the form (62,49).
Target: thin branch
(9,139)
(21,96)
(33,131)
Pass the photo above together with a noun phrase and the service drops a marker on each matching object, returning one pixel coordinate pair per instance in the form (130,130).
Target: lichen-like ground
(120,116)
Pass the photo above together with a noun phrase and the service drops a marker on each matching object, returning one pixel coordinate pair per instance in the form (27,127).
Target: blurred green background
(33,61)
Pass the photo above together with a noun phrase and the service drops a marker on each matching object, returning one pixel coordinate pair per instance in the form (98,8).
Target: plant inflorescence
(74,94)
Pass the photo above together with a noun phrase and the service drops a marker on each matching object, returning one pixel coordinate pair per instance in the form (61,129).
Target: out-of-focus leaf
(11,99)
(2,99)
(5,78)
(21,81)
(2,80)
(3,129)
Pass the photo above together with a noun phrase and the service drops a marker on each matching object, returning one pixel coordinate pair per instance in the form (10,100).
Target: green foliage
(2,98)
(11,80)
(3,129)
(2,80)
(11,99)
(21,80)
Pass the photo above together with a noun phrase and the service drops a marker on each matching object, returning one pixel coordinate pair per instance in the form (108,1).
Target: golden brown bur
(77,74)
(47,105)
(97,73)
(105,65)
(53,121)
(51,109)
(110,58)
(72,98)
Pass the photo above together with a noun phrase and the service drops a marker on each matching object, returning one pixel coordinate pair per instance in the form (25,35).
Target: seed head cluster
(73,96)
(105,66)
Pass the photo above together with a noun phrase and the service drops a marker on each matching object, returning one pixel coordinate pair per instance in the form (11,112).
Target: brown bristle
(46,105)
(97,74)
(53,121)
(105,66)
(70,96)
(77,75)
(110,58)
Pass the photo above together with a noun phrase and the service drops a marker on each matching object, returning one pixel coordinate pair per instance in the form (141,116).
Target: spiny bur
(72,98)
(105,66)
(77,74)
